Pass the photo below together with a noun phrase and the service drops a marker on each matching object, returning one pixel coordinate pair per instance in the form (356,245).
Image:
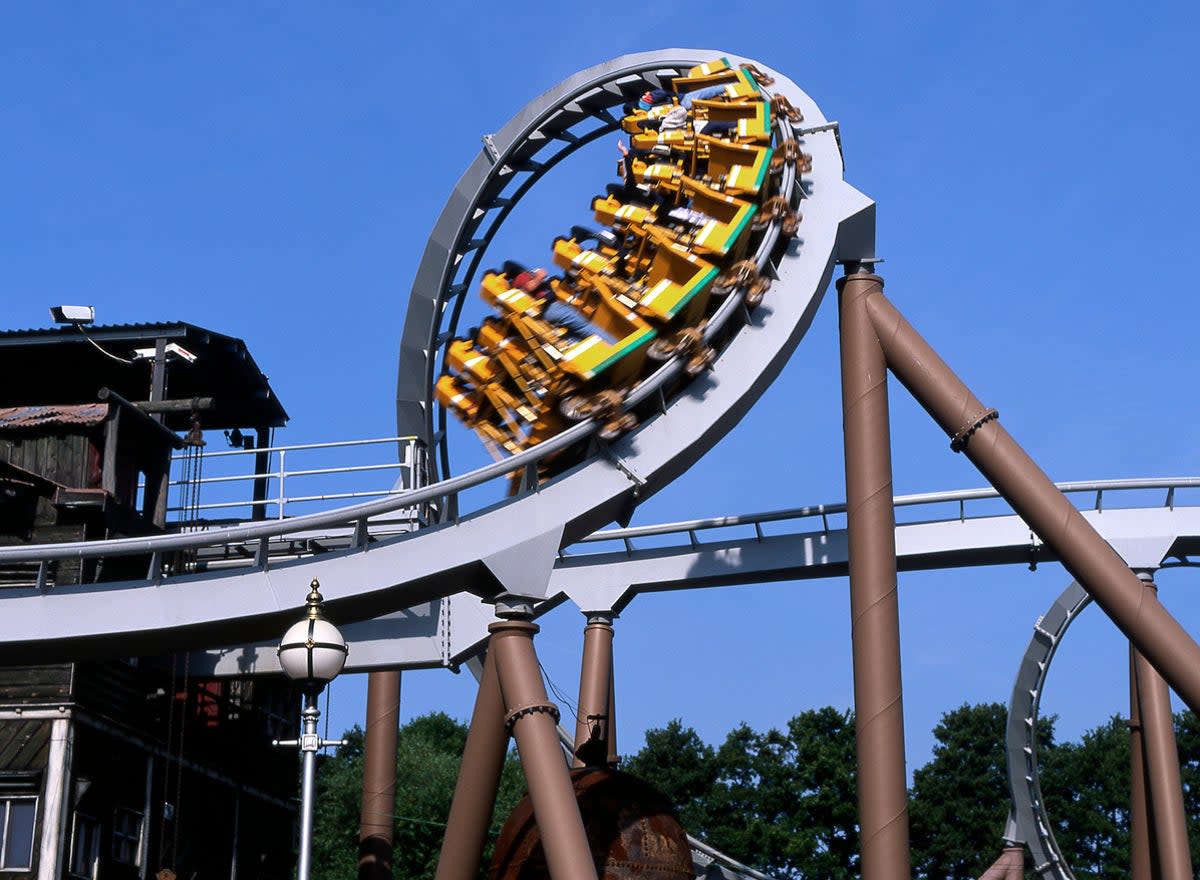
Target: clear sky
(272,170)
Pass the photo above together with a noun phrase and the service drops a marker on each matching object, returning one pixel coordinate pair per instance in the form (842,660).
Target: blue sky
(272,170)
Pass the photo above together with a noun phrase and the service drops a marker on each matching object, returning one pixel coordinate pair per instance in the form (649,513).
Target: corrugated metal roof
(141,328)
(63,365)
(27,417)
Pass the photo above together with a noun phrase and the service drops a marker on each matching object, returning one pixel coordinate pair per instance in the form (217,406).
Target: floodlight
(73,314)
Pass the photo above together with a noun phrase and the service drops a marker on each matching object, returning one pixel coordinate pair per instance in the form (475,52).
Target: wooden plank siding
(24,745)
(35,685)
(65,456)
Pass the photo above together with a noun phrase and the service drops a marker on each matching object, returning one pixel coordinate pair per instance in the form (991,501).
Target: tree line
(784,801)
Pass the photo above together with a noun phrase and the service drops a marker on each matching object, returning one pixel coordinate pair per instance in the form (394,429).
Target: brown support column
(592,726)
(1168,829)
(478,780)
(613,757)
(1010,865)
(379,776)
(875,617)
(1140,863)
(1015,856)
(1090,560)
(533,719)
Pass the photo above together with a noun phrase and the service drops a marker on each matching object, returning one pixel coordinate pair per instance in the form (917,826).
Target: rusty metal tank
(633,832)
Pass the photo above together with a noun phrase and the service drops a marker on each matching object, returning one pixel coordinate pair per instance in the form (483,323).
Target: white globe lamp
(311,653)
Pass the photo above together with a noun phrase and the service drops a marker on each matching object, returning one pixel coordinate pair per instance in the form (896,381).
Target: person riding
(536,283)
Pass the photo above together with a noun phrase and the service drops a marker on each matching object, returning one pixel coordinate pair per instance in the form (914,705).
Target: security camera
(73,314)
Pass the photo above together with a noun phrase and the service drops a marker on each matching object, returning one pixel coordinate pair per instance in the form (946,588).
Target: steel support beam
(593,726)
(533,719)
(478,781)
(1010,865)
(379,776)
(874,609)
(1140,859)
(1168,826)
(976,431)
(614,757)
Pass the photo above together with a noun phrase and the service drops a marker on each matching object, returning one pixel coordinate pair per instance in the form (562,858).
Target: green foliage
(785,801)
(1085,786)
(959,800)
(781,801)
(680,765)
(428,753)
(1187,737)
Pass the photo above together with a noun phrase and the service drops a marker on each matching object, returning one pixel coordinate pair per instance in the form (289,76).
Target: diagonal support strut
(1088,557)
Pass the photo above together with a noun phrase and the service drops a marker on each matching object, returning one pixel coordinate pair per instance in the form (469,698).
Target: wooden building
(118,769)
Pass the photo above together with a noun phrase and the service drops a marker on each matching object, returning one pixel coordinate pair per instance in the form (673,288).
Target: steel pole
(1140,861)
(1010,865)
(534,719)
(874,609)
(976,431)
(1168,828)
(595,674)
(613,757)
(478,781)
(376,827)
(309,744)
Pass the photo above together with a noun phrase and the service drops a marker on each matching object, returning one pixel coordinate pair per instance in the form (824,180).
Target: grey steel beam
(422,637)
(1032,825)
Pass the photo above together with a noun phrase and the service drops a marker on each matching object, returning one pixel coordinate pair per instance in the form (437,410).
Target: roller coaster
(713,256)
(702,186)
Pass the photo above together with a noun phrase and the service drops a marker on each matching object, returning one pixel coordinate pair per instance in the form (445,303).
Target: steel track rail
(961,497)
(488,550)
(736,550)
(544,133)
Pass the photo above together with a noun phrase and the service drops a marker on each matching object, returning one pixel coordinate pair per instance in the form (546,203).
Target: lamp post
(311,653)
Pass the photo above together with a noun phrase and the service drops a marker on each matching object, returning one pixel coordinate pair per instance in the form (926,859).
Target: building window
(17,815)
(126,836)
(85,846)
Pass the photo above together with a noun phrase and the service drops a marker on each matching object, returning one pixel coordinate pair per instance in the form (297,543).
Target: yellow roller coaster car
(700,184)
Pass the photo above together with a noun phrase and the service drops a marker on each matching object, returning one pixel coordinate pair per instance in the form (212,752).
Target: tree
(1085,786)
(783,802)
(1187,737)
(428,753)
(680,765)
(959,800)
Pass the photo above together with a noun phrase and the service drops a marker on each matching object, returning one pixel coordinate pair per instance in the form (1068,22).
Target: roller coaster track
(952,529)
(537,544)
(510,546)
(1029,822)
(608,569)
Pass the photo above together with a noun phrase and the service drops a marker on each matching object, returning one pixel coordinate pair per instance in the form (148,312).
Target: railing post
(282,453)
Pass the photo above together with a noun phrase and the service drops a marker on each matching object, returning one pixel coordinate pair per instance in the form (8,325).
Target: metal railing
(1093,492)
(274,473)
